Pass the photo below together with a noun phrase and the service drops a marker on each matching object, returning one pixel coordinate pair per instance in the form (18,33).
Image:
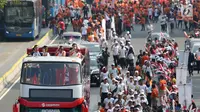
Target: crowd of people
(133,84)
(126,16)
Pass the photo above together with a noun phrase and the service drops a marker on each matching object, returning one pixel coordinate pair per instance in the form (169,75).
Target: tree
(2,3)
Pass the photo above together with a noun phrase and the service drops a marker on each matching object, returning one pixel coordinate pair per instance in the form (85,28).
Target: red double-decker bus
(54,83)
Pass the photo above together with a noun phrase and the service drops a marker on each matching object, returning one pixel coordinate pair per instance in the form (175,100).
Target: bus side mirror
(16,106)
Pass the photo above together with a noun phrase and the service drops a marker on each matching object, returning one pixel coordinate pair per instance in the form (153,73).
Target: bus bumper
(15,35)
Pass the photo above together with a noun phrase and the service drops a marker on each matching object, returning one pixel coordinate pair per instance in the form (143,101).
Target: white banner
(181,75)
(187,11)
(103,24)
(183,58)
(185,92)
(113,23)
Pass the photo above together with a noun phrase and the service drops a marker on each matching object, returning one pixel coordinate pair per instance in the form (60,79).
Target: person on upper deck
(61,51)
(35,51)
(45,51)
(75,51)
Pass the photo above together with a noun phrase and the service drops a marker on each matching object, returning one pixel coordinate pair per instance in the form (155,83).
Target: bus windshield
(19,15)
(51,73)
(76,109)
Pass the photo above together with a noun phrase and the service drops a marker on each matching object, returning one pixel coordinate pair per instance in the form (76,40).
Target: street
(138,41)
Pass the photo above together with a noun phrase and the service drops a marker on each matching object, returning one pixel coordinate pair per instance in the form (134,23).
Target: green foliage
(2,3)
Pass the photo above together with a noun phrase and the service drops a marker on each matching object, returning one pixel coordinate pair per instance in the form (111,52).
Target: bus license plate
(18,35)
(50,110)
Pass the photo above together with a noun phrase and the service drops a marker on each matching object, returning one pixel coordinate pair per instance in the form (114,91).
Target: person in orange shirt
(154,96)
(145,57)
(163,88)
(137,67)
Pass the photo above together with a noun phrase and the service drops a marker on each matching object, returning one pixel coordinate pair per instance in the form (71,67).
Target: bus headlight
(30,32)
(7,32)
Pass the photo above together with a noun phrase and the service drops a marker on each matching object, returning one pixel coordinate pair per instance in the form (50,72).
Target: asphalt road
(11,51)
(137,41)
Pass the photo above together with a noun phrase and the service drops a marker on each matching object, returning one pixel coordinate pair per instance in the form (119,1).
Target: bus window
(51,73)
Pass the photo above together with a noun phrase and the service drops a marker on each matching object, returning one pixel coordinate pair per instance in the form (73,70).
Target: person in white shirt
(110,107)
(36,51)
(122,40)
(130,84)
(143,93)
(128,35)
(122,56)
(84,32)
(163,23)
(114,71)
(156,14)
(137,99)
(85,22)
(113,86)
(44,51)
(127,107)
(136,85)
(127,77)
(119,100)
(131,92)
(143,86)
(104,73)
(114,37)
(149,93)
(148,69)
(136,75)
(110,78)
(150,13)
(104,89)
(104,43)
(108,100)
(115,50)
(123,85)
(117,108)
(116,88)
(72,13)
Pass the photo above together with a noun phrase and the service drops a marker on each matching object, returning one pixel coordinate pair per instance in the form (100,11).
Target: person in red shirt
(61,27)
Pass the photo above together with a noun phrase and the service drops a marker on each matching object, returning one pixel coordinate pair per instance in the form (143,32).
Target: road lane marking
(17,64)
(6,92)
(54,40)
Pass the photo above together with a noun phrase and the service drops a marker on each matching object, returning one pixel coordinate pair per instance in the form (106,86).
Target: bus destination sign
(19,3)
